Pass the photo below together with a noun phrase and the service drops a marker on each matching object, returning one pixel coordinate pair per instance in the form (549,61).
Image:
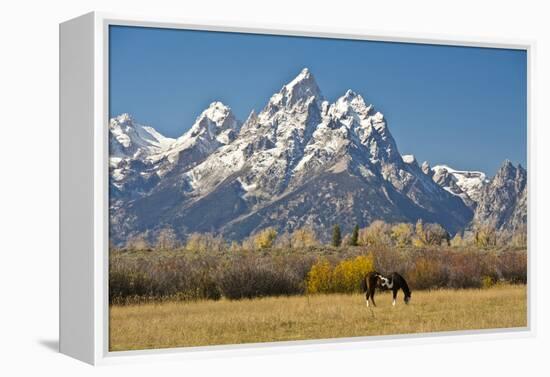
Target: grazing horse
(395,282)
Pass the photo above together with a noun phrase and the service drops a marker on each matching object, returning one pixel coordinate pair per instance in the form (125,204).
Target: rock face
(503,202)
(300,161)
(468,185)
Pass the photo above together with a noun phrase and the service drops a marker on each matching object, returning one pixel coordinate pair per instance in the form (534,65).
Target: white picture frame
(84,191)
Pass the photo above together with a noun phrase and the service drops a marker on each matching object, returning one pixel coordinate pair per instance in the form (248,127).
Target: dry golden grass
(178,324)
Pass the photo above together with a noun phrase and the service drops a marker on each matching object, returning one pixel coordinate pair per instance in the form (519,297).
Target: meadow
(180,323)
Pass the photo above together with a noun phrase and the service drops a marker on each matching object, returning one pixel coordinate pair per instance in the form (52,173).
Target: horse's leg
(372,298)
(394,291)
(367,297)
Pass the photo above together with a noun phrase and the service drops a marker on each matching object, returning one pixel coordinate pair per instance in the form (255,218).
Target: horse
(395,282)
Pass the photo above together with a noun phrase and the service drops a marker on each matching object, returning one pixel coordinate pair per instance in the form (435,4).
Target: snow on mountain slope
(468,185)
(129,139)
(214,127)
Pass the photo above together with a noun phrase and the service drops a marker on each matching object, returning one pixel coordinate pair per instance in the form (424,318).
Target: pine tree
(336,236)
(354,241)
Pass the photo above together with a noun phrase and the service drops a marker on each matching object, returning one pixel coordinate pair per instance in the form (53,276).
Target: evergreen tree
(354,241)
(336,236)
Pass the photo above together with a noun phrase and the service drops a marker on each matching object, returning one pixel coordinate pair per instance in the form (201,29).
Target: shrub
(137,242)
(457,241)
(389,260)
(303,237)
(485,236)
(401,234)
(378,233)
(427,273)
(205,242)
(344,278)
(265,238)
(249,277)
(488,282)
(512,265)
(347,275)
(319,278)
(166,239)
(241,273)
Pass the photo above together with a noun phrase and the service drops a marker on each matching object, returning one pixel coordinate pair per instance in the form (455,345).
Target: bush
(303,237)
(401,234)
(344,278)
(378,233)
(512,266)
(347,275)
(319,278)
(485,236)
(249,276)
(235,273)
(205,242)
(265,238)
(427,273)
(488,282)
(181,278)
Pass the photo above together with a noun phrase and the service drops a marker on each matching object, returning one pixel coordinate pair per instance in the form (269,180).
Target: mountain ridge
(272,167)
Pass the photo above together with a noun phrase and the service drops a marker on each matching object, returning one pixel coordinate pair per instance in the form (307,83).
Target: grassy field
(177,324)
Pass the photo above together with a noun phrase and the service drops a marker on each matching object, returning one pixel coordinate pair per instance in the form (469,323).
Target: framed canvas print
(229,188)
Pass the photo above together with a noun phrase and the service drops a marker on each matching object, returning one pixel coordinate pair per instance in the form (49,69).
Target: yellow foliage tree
(344,278)
(347,275)
(319,278)
(265,238)
(401,234)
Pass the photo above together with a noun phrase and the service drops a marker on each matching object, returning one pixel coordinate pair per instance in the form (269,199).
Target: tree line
(376,234)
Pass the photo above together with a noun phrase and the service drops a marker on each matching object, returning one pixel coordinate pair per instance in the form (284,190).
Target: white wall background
(29,183)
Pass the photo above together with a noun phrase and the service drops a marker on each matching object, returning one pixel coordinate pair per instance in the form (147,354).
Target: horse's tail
(363,284)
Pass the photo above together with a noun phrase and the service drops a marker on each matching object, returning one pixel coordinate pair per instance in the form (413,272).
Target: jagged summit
(215,119)
(503,201)
(300,89)
(409,159)
(124,118)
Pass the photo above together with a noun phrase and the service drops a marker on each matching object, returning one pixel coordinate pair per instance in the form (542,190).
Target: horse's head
(408,298)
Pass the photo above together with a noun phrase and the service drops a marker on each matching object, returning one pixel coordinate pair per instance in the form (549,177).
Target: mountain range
(301,161)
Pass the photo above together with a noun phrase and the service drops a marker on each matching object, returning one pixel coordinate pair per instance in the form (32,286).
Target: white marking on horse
(393,303)
(386,282)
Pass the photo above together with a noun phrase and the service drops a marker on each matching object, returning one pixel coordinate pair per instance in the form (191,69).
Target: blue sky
(463,106)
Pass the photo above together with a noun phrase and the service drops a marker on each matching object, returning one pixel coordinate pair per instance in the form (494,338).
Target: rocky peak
(301,89)
(214,120)
(409,159)
(426,169)
(503,202)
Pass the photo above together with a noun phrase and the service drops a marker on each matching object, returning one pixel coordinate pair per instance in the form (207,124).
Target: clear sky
(463,106)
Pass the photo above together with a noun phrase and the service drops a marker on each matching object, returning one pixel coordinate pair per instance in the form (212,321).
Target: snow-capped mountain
(140,156)
(131,140)
(300,161)
(468,185)
(503,201)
